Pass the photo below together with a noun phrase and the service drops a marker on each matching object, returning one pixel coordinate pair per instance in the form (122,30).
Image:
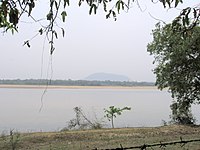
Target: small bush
(81,121)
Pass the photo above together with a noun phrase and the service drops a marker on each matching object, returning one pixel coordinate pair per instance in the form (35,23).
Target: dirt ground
(104,138)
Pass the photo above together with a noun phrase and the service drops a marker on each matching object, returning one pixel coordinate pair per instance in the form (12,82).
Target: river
(19,107)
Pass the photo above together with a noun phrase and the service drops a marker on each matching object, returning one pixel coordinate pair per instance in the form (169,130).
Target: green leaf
(56,4)
(195,13)
(63,32)
(114,14)
(90,11)
(79,3)
(164,3)
(176,3)
(52,50)
(13,16)
(90,2)
(41,31)
(95,9)
(56,35)
(51,3)
(63,14)
(118,6)
(66,2)
(187,20)
(169,2)
(92,6)
(108,15)
(12,31)
(104,6)
(27,43)
(31,6)
(49,16)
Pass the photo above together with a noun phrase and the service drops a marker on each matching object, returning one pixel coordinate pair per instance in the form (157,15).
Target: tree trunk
(112,120)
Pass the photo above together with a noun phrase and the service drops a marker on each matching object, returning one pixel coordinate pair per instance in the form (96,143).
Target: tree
(177,56)
(11,11)
(112,113)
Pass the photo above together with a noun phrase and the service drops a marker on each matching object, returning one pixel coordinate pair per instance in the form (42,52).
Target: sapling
(112,113)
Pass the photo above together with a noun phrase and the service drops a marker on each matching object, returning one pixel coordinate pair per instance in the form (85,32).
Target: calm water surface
(19,108)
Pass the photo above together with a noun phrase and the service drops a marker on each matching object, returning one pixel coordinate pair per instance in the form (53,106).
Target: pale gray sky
(91,44)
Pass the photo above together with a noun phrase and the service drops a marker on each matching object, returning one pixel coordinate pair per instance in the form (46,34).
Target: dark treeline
(74,82)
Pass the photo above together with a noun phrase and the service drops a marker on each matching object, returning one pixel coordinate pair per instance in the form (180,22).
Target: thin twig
(157,18)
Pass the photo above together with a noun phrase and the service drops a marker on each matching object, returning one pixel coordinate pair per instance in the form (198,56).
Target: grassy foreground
(104,138)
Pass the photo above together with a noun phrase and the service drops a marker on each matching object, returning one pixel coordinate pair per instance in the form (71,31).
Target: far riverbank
(74,87)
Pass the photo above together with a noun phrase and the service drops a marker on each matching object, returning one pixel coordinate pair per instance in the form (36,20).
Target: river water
(19,107)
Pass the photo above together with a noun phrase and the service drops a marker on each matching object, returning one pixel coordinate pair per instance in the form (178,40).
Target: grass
(105,138)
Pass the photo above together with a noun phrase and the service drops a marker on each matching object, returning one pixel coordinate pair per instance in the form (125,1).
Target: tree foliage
(181,113)
(177,56)
(178,61)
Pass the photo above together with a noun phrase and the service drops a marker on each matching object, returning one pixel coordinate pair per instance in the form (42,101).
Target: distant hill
(106,77)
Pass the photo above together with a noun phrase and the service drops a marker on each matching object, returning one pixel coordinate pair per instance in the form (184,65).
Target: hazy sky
(92,44)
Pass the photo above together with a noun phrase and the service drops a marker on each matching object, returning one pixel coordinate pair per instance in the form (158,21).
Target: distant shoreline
(73,87)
